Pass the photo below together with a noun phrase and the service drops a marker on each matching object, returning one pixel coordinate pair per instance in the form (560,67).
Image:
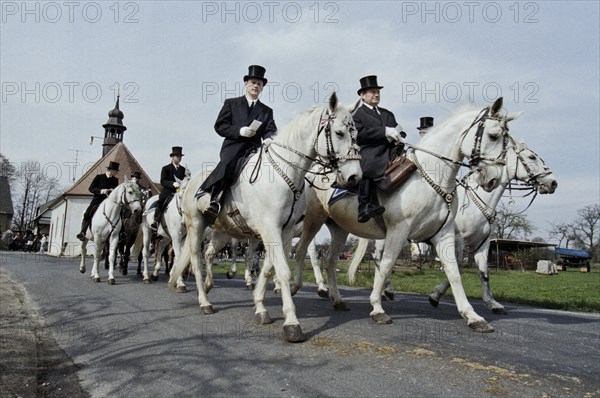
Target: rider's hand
(247,132)
(176,185)
(104,191)
(400,131)
(392,135)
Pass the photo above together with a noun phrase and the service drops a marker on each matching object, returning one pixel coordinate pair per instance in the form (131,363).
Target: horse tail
(181,262)
(139,243)
(357,257)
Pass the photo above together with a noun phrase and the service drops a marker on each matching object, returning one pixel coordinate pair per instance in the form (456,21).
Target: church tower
(113,129)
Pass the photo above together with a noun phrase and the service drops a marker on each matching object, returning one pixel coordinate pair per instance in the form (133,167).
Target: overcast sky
(177,61)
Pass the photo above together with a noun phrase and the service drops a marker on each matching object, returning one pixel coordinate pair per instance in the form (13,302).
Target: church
(62,216)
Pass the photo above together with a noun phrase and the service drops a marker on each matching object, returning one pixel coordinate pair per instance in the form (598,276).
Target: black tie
(251,107)
(375,110)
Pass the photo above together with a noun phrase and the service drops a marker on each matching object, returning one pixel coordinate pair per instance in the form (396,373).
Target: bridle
(329,163)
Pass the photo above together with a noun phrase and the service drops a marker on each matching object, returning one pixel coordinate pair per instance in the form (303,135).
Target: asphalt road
(135,340)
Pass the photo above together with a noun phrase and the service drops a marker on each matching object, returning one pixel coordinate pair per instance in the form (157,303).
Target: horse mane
(295,128)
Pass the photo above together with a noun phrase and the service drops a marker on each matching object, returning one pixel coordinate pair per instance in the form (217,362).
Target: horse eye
(532,157)
(339,134)
(494,137)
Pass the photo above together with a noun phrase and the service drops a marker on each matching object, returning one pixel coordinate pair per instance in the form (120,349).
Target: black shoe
(211,213)
(81,236)
(365,213)
(154,226)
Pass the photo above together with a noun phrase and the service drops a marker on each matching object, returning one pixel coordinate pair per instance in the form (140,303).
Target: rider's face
(176,159)
(254,87)
(371,96)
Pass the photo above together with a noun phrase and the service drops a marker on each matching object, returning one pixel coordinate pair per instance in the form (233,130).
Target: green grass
(569,290)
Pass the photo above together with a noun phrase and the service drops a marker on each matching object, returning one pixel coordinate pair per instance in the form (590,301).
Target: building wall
(5,222)
(65,225)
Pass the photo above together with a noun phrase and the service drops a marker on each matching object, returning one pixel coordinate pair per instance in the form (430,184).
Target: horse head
(485,143)
(525,165)
(335,143)
(130,194)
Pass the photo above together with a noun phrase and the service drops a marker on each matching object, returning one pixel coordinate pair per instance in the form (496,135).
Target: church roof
(119,153)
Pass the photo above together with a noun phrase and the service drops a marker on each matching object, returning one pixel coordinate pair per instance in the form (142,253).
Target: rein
(329,163)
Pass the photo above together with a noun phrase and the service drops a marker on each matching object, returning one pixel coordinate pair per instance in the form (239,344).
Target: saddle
(396,173)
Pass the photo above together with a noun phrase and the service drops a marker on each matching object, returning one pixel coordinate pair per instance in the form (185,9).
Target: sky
(176,61)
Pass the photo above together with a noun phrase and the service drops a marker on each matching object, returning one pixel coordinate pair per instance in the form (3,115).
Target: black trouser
(162,198)
(87,216)
(365,191)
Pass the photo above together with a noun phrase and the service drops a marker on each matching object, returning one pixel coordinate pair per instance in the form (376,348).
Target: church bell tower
(113,129)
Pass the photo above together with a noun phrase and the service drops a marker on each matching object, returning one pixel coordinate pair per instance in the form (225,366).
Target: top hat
(368,82)
(256,72)
(136,174)
(113,166)
(426,122)
(176,151)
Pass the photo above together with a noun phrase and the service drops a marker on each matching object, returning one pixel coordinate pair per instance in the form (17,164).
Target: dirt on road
(31,362)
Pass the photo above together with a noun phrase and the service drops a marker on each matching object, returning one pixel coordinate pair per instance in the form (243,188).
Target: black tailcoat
(374,146)
(233,116)
(100,182)
(167,178)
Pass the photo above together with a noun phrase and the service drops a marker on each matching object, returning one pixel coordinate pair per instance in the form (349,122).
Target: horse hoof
(323,293)
(433,302)
(499,311)
(250,286)
(388,295)
(154,277)
(147,281)
(293,334)
(140,275)
(263,318)
(381,318)
(341,306)
(106,266)
(111,282)
(230,275)
(181,289)
(82,270)
(481,327)
(277,291)
(124,271)
(207,310)
(96,279)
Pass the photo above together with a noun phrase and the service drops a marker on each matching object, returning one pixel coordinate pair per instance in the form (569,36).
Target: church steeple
(113,129)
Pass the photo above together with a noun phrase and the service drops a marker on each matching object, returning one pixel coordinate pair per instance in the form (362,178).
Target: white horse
(423,208)
(473,222)
(267,200)
(106,224)
(172,230)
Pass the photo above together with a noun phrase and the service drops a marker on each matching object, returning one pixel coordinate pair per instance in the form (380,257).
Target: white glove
(392,135)
(105,191)
(247,132)
(175,185)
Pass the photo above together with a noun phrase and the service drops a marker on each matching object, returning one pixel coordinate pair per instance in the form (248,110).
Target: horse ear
(333,102)
(188,173)
(497,105)
(352,108)
(126,180)
(513,116)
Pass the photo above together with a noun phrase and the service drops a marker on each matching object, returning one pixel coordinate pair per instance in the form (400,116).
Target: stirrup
(154,226)
(212,211)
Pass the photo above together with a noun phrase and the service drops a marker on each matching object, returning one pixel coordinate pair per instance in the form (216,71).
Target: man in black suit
(101,186)
(168,182)
(378,131)
(233,123)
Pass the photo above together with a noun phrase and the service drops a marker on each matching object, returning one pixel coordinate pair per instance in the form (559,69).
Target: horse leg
(176,239)
(292,331)
(112,256)
(249,255)
(97,255)
(388,260)
(160,248)
(311,226)
(261,316)
(440,290)
(83,247)
(322,290)
(338,238)
(481,260)
(146,253)
(443,240)
(233,269)
(194,239)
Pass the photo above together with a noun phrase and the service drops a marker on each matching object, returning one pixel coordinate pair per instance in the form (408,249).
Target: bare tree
(588,225)
(511,225)
(34,188)
(561,232)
